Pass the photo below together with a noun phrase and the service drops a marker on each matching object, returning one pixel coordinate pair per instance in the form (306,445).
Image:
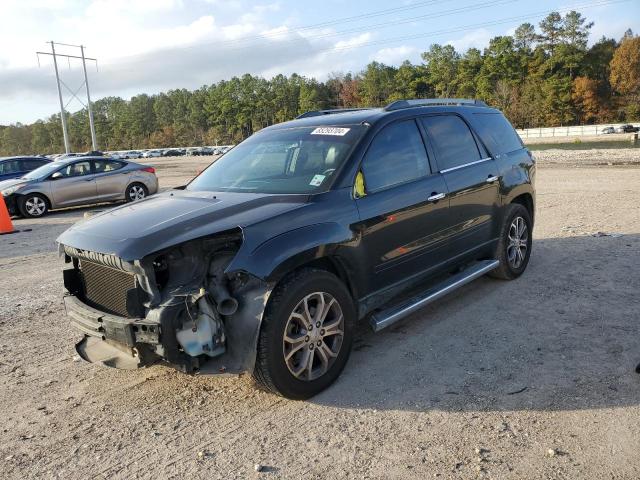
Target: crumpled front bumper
(112,340)
(130,343)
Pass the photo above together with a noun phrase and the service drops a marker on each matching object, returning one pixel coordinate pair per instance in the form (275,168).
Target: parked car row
(128,154)
(208,150)
(168,152)
(627,128)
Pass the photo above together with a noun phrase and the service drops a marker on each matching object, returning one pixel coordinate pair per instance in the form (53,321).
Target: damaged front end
(179,305)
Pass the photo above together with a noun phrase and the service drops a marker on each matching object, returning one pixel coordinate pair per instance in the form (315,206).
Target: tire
(33,205)
(512,263)
(328,352)
(136,191)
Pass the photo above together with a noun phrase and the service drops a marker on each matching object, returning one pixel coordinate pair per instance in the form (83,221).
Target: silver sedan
(78,181)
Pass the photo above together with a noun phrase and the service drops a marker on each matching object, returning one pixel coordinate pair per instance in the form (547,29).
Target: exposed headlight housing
(8,191)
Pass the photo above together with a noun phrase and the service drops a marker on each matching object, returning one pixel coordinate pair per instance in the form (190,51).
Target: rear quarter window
(11,166)
(32,164)
(496,132)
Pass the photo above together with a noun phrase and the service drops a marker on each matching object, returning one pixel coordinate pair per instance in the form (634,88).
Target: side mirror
(56,176)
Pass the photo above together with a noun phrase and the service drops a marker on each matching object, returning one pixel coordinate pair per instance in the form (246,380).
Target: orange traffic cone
(5,220)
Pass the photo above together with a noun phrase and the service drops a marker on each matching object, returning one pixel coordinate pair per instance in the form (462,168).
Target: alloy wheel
(518,242)
(35,206)
(136,192)
(313,336)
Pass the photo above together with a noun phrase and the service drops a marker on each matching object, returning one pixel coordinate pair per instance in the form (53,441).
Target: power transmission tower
(63,118)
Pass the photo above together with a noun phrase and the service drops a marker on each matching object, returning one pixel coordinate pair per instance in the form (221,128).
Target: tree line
(537,77)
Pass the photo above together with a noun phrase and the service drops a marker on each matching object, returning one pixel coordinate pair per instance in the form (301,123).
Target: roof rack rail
(317,113)
(425,102)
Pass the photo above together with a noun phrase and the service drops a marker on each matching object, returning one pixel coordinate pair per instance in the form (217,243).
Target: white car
(152,154)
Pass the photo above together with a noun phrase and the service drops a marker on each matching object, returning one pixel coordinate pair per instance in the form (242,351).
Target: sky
(149,46)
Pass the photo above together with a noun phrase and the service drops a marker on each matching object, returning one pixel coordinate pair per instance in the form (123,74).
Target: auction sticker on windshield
(337,131)
(316,180)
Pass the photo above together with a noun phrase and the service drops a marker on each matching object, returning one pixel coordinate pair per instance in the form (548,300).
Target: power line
(376,13)
(253,41)
(386,24)
(354,18)
(472,26)
(462,28)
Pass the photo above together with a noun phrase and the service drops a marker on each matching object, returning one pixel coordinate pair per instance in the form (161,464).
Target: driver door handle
(434,197)
(491,178)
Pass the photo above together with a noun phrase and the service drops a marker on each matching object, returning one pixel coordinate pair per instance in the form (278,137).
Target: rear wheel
(514,246)
(33,205)
(136,191)
(306,335)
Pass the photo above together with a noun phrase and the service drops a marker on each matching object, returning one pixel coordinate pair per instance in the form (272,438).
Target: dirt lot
(526,379)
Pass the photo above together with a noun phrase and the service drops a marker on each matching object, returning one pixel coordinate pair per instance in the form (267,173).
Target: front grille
(106,288)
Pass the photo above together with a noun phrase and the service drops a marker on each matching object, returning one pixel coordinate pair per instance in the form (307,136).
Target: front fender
(279,255)
(40,191)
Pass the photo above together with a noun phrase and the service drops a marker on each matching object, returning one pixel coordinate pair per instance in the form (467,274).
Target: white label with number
(336,131)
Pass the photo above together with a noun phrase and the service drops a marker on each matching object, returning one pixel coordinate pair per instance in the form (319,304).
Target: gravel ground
(526,379)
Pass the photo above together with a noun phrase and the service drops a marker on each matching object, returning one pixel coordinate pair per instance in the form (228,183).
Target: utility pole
(86,83)
(62,115)
(59,82)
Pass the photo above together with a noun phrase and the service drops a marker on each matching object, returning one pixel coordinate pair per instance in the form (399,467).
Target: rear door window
(496,132)
(396,155)
(452,140)
(105,166)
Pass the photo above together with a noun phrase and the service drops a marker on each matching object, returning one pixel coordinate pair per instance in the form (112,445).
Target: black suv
(266,260)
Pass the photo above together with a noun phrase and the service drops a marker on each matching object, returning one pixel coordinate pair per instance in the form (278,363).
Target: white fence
(575,131)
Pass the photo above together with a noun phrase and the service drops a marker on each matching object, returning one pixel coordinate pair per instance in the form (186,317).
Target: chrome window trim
(465,165)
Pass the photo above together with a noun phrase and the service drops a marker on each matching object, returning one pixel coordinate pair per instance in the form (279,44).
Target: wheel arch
(332,264)
(134,182)
(526,200)
(39,193)
(130,183)
(315,246)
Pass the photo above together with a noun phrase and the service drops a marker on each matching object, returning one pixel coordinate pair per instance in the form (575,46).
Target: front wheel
(306,335)
(136,191)
(33,205)
(514,245)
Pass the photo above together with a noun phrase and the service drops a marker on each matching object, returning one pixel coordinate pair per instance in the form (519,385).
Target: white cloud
(353,41)
(236,31)
(394,55)
(475,39)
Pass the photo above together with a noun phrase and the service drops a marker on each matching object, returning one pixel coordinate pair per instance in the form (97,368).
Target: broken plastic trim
(193,269)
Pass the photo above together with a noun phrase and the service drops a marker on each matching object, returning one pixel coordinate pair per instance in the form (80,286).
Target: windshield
(43,171)
(295,160)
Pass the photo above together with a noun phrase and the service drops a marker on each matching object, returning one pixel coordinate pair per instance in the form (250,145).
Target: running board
(391,315)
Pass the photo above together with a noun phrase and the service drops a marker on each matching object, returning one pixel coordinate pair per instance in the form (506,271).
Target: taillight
(149,169)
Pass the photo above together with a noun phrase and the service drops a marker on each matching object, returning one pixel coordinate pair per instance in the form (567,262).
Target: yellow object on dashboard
(358,188)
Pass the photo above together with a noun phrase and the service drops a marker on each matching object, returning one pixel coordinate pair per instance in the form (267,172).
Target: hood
(14,181)
(135,230)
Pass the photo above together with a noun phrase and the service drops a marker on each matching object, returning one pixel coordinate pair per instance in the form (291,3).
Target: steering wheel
(328,171)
